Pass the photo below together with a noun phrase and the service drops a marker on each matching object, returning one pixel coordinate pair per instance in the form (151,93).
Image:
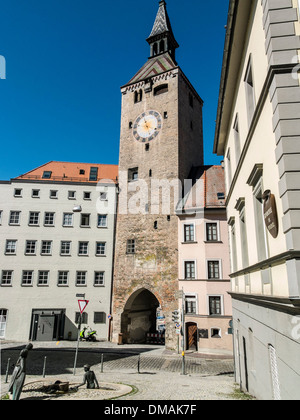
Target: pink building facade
(204,265)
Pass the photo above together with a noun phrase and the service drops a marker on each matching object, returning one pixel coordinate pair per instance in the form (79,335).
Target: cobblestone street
(160,376)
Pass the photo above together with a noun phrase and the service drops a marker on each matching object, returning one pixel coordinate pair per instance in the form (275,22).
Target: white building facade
(56,247)
(258,133)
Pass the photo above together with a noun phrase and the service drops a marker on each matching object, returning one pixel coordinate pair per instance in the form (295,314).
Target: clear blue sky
(66,61)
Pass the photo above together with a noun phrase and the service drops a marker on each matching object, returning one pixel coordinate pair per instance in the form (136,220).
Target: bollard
(7,370)
(139,363)
(44,367)
(102,360)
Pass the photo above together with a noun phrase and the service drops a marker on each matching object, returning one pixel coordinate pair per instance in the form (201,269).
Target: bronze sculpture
(89,379)
(19,374)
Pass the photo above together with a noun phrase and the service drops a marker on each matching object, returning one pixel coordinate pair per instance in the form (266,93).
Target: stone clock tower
(161,141)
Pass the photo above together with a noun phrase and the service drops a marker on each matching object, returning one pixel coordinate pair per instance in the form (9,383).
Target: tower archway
(139,317)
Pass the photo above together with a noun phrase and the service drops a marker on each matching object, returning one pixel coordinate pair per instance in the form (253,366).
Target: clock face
(147,126)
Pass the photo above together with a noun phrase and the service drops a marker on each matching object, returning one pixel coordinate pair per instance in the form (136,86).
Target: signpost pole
(77,347)
(183,333)
(82,305)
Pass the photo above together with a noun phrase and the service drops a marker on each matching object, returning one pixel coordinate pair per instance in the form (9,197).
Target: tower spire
(162,39)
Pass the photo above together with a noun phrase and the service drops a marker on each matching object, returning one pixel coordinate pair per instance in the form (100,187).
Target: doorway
(47,325)
(139,317)
(192,336)
(3,320)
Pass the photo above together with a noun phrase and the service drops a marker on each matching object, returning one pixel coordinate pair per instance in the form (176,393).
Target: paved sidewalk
(159,379)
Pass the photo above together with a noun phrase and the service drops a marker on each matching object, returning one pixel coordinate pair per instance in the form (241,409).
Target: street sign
(82,305)
(109,316)
(179,294)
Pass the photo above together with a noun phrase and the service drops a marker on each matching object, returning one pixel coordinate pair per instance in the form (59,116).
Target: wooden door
(192,336)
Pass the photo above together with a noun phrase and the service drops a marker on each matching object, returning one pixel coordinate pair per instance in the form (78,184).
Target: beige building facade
(258,133)
(204,266)
(57,242)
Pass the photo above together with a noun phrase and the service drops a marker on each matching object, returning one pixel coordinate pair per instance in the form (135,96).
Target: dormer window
(47,174)
(93,174)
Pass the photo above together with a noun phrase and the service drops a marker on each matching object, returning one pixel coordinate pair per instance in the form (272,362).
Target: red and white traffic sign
(82,305)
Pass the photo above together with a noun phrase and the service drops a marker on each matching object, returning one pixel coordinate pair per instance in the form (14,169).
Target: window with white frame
(237,139)
(250,94)
(34,218)
(35,194)
(102,220)
(63,278)
(212,232)
(233,244)
(49,219)
(81,278)
(189,232)
(27,278)
(100,248)
(71,195)
(65,248)
(191,304)
(14,218)
(11,247)
(68,219)
(30,248)
(85,220)
(6,278)
(53,194)
(228,169)
(87,195)
(18,192)
(83,249)
(214,269)
(43,278)
(46,248)
(189,270)
(99,278)
(215,305)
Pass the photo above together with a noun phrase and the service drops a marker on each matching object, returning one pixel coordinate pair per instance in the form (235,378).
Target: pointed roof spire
(162,22)
(162,30)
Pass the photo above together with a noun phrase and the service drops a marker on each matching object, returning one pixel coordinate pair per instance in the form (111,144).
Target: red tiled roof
(209,182)
(72,172)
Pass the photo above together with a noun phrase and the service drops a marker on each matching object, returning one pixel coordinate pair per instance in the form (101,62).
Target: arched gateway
(139,317)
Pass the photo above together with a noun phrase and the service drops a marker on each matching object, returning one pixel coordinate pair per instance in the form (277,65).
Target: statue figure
(89,379)
(19,374)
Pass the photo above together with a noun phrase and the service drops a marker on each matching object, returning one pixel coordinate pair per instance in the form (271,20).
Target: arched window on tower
(155,49)
(162,46)
(138,96)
